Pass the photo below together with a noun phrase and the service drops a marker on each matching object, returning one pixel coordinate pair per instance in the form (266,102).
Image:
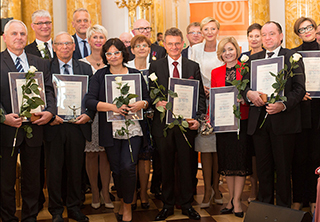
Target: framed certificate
(221,103)
(311,60)
(186,104)
(134,81)
(261,79)
(70,91)
(16,80)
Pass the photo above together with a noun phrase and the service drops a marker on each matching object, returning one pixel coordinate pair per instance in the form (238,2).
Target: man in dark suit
(81,22)
(65,142)
(174,65)
(159,39)
(194,37)
(14,59)
(142,27)
(42,26)
(274,142)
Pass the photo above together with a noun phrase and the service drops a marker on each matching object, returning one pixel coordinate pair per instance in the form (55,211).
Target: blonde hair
(207,20)
(97,28)
(222,44)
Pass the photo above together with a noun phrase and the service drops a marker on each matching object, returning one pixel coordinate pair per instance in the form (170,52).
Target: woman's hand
(241,101)
(123,110)
(135,107)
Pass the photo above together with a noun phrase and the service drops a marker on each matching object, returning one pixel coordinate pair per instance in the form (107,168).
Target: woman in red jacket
(233,157)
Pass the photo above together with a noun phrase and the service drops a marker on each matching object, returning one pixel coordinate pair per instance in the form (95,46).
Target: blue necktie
(85,50)
(66,71)
(18,65)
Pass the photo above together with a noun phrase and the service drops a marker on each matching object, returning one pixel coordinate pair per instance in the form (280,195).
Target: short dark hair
(116,42)
(299,21)
(276,23)
(253,27)
(196,24)
(138,39)
(173,32)
(159,33)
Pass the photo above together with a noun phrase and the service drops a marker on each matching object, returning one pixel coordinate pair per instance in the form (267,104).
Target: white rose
(41,46)
(32,69)
(296,57)
(244,58)
(153,77)
(118,79)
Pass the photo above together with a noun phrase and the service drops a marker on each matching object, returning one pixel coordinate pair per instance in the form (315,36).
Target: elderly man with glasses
(142,27)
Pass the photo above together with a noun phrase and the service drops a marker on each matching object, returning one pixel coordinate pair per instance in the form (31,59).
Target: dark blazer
(7,132)
(76,53)
(218,79)
(33,49)
(310,114)
(288,121)
(97,93)
(190,70)
(157,51)
(80,68)
(184,52)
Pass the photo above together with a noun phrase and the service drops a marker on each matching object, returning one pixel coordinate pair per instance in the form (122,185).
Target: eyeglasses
(194,33)
(141,46)
(305,29)
(63,43)
(142,29)
(176,44)
(110,54)
(42,23)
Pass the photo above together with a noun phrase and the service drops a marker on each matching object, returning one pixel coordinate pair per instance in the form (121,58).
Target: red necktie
(175,70)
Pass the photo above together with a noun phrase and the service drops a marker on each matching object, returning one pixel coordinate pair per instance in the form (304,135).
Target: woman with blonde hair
(205,54)
(233,156)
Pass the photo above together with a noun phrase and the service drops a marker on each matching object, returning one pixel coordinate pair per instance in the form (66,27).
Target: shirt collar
(276,51)
(62,63)
(80,39)
(171,60)
(23,56)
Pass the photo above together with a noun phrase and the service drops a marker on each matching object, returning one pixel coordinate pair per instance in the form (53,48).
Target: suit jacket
(33,49)
(76,53)
(97,93)
(80,68)
(157,51)
(184,52)
(190,70)
(288,121)
(7,132)
(218,79)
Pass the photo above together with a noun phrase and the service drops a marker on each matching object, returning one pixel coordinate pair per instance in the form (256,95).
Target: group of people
(287,143)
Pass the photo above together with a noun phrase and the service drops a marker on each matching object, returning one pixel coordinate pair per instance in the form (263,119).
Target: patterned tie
(85,50)
(270,54)
(18,65)
(66,71)
(47,50)
(175,70)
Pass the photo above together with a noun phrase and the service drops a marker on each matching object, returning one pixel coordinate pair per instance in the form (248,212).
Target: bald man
(142,27)
(126,37)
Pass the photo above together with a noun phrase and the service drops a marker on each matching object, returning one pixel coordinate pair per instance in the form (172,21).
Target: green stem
(265,117)
(130,148)
(160,89)
(14,141)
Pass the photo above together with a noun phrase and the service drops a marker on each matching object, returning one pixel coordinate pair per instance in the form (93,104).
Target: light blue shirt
(23,62)
(81,45)
(70,68)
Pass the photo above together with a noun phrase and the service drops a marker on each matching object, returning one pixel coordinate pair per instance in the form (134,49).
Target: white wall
(59,16)
(277,13)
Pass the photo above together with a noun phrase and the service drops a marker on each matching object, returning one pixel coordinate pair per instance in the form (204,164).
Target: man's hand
(57,121)
(13,120)
(306,97)
(45,117)
(254,97)
(162,103)
(123,110)
(275,108)
(193,124)
(241,101)
(82,119)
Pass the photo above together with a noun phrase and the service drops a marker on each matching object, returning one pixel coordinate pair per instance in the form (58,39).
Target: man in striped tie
(14,59)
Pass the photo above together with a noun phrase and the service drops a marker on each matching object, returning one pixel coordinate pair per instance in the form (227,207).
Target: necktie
(66,71)
(85,50)
(270,54)
(47,49)
(175,70)
(18,65)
